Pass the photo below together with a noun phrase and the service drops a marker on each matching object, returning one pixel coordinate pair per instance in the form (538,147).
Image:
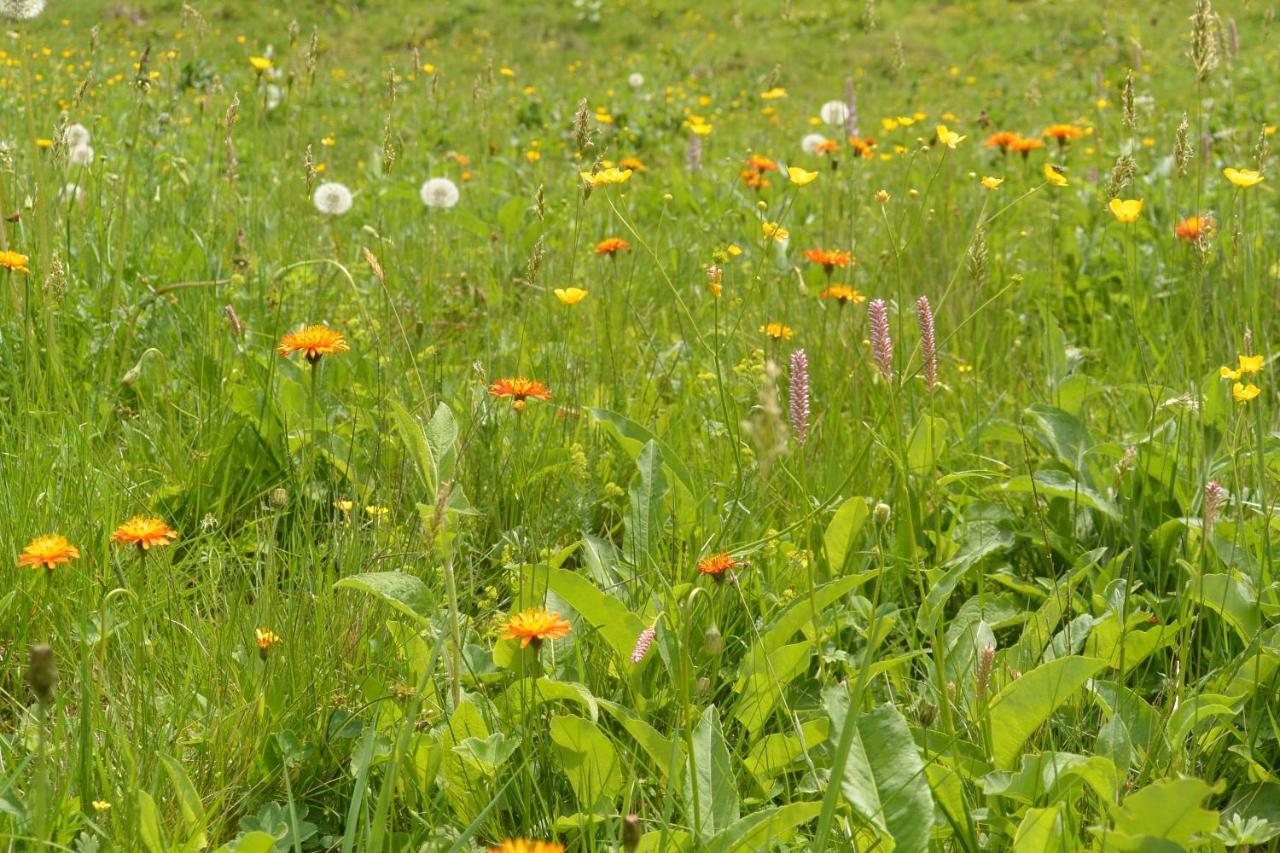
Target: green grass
(384,515)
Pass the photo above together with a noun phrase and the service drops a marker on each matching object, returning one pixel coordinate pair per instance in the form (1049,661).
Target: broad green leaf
(655,744)
(763,829)
(251,842)
(632,437)
(1168,810)
(590,761)
(617,625)
(1040,831)
(489,753)
(149,831)
(1062,433)
(948,792)
(843,529)
(415,442)
(805,608)
(403,591)
(1058,484)
(644,517)
(1023,705)
(1231,597)
(711,790)
(772,754)
(536,692)
(927,443)
(193,818)
(462,784)
(762,683)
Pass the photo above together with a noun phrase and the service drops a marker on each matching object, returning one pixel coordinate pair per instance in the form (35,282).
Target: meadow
(612,426)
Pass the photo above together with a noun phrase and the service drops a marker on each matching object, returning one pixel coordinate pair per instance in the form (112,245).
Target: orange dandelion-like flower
(145,533)
(313,342)
(612,246)
(829,259)
(1025,145)
(1064,133)
(521,845)
(519,390)
(843,294)
(866,148)
(761,164)
(754,179)
(633,163)
(1004,140)
(1193,227)
(826,146)
(14,261)
(48,551)
(717,565)
(777,331)
(534,625)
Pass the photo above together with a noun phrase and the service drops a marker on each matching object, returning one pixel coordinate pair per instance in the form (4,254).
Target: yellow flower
(1243,178)
(260,63)
(889,124)
(44,143)
(570,295)
(772,229)
(15,261)
(732,250)
(799,176)
(992,183)
(1053,176)
(1250,364)
(882,196)
(773,94)
(699,128)
(606,177)
(48,551)
(1244,393)
(506,72)
(949,138)
(533,156)
(534,625)
(101,805)
(1227,373)
(1126,210)
(777,331)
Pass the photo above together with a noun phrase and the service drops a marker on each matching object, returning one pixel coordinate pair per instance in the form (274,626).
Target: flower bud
(631,833)
(712,642)
(42,673)
(881,514)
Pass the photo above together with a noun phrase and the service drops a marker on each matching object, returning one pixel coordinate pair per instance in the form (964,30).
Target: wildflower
(714,277)
(101,805)
(773,94)
(1054,175)
(260,63)
(1193,228)
(717,564)
(570,295)
(928,343)
(332,198)
(313,342)
(21,10)
(265,639)
(377,512)
(631,833)
(612,246)
(534,625)
(698,127)
(772,229)
(776,331)
(15,261)
(1242,393)
(992,183)
(826,146)
(81,155)
(1004,140)
(1024,145)
(1250,365)
(48,551)
(843,294)
(1126,210)
(881,342)
(834,113)
(1064,133)
(643,642)
(948,137)
(608,177)
(1214,495)
(635,164)
(693,154)
(882,196)
(799,176)
(799,396)
(1243,178)
(74,135)
(864,147)
(520,845)
(439,193)
(760,163)
(519,390)
(635,80)
(829,259)
(145,532)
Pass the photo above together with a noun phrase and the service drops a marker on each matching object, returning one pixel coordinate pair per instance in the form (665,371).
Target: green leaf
(632,438)
(193,818)
(844,527)
(415,442)
(927,443)
(711,789)
(656,745)
(465,796)
(764,829)
(488,754)
(402,591)
(589,759)
(801,610)
(1040,831)
(149,830)
(1058,484)
(251,842)
(546,690)
(762,682)
(1168,810)
(1231,597)
(644,520)
(1063,434)
(776,753)
(615,624)
(1023,705)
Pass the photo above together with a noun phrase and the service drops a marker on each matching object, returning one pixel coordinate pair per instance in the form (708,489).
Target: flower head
(1004,140)
(606,177)
(48,551)
(843,294)
(881,341)
(799,396)
(643,642)
(992,183)
(439,193)
(1054,176)
(313,342)
(799,176)
(519,390)
(570,295)
(1250,364)
(612,246)
(265,639)
(1193,228)
(810,141)
(534,625)
(717,564)
(75,134)
(776,331)
(21,10)
(774,230)
(1064,133)
(15,261)
(520,845)
(866,148)
(1024,145)
(829,259)
(260,63)
(332,198)
(145,532)
(834,113)
(1126,210)
(1243,178)
(1242,393)
(949,137)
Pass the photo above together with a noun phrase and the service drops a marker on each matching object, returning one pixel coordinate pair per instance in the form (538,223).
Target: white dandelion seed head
(21,10)
(71,193)
(439,192)
(81,155)
(811,142)
(332,198)
(75,135)
(274,96)
(835,113)
(636,80)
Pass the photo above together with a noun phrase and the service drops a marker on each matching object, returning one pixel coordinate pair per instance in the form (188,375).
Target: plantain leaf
(403,591)
(1023,705)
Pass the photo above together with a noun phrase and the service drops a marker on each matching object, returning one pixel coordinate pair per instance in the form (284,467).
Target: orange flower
(1193,228)
(520,845)
(1025,146)
(829,259)
(864,147)
(534,625)
(776,331)
(717,564)
(48,551)
(842,294)
(519,390)
(827,146)
(313,342)
(144,532)
(265,639)
(633,163)
(761,164)
(1064,133)
(1004,140)
(14,261)
(754,179)
(611,246)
